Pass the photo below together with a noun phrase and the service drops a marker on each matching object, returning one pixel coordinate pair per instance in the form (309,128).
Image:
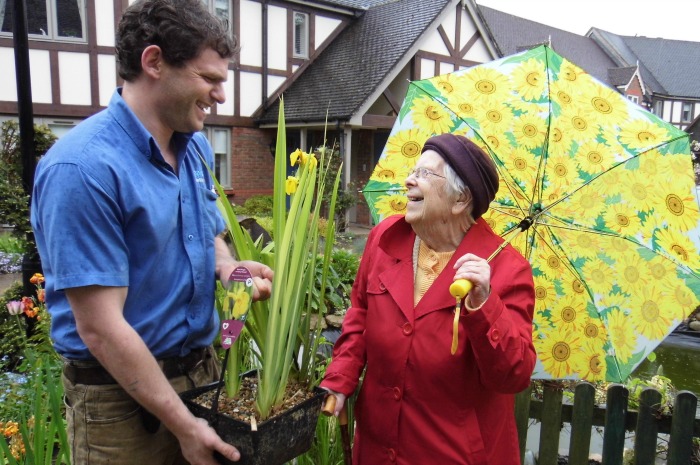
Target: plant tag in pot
(239,298)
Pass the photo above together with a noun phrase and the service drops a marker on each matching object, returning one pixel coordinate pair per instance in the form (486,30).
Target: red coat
(419,404)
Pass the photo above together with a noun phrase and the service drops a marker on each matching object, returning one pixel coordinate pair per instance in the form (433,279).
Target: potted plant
(279,328)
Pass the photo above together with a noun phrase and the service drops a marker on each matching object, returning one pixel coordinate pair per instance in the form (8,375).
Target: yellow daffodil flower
(291,185)
(295,156)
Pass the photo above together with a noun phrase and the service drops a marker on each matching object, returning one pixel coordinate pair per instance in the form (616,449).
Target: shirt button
(392,454)
(190,237)
(407,329)
(397,393)
(495,334)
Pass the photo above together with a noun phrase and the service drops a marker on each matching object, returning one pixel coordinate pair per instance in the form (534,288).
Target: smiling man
(127,228)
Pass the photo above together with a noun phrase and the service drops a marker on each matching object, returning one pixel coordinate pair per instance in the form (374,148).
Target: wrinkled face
(190,92)
(428,203)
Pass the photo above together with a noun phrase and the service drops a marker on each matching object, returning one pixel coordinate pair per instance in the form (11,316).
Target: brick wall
(252,165)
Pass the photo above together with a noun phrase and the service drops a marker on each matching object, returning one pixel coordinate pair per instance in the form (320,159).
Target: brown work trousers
(107,427)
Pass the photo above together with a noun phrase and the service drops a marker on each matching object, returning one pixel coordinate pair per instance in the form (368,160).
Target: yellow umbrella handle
(461,287)
(459,290)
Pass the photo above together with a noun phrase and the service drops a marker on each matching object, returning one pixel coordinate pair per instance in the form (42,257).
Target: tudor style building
(342,65)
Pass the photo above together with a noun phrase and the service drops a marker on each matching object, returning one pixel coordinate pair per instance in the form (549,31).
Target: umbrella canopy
(608,189)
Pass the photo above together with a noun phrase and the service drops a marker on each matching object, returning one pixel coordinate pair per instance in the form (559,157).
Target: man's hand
(262,278)
(199,442)
(225,264)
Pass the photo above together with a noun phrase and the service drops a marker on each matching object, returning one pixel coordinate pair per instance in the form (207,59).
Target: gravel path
(7,279)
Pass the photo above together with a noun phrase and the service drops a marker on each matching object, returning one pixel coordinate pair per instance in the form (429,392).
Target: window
(633,98)
(50,19)
(220,140)
(301,35)
(658,108)
(220,8)
(687,112)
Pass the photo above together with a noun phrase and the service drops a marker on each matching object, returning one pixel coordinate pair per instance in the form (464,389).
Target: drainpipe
(264,53)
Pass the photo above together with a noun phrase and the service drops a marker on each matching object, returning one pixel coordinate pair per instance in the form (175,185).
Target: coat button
(495,334)
(382,287)
(407,329)
(397,393)
(392,454)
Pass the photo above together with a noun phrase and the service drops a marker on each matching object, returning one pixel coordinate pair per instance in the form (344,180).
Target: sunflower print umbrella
(609,190)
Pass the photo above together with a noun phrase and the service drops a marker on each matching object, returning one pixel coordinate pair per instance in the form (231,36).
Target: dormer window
(301,35)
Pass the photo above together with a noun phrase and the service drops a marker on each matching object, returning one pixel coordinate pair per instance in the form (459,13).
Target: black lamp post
(30,262)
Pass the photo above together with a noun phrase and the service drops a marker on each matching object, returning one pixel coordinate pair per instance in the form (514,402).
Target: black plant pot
(277,440)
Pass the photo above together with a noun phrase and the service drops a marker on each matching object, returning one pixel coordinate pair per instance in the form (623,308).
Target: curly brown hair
(181,28)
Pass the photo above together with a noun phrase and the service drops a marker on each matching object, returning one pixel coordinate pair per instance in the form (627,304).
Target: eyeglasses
(422,173)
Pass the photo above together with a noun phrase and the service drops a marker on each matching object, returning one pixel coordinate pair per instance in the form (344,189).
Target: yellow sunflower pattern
(614,247)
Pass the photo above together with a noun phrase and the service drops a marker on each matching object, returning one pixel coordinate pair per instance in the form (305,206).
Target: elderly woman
(418,403)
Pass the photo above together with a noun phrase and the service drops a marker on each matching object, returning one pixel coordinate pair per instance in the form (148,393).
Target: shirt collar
(138,133)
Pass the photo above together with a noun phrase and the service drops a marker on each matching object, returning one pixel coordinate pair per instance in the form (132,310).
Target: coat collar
(397,242)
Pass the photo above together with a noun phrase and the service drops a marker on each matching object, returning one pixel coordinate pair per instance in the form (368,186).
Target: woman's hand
(478,271)
(339,402)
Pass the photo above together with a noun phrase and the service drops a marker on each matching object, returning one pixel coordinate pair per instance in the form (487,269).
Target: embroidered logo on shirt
(199,176)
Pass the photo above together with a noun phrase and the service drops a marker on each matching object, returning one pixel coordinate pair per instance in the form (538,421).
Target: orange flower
(37,278)
(41,295)
(27,303)
(11,428)
(32,312)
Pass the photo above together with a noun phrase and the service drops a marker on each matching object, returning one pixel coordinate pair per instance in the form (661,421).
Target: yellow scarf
(428,264)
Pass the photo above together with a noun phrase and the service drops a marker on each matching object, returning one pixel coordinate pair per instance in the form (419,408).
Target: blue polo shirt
(108,210)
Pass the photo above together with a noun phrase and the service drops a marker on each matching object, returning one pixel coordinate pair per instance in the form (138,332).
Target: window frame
(52,22)
(304,41)
(686,109)
(633,98)
(211,5)
(659,108)
(210,133)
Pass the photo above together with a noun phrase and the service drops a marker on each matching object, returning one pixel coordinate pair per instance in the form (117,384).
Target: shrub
(257,205)
(14,202)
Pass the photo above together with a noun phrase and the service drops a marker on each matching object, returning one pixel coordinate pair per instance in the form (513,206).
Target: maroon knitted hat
(472,165)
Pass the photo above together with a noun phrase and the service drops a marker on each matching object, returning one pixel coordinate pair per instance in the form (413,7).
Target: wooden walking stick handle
(329,405)
(328,409)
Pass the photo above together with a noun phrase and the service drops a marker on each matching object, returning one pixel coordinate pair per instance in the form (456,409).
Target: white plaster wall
(434,43)
(40,69)
(104,12)
(74,73)
(274,83)
(427,68)
(676,111)
(106,77)
(277,38)
(251,35)
(251,91)
(8,83)
(446,68)
(467,29)
(666,111)
(478,52)
(448,24)
(227,107)
(324,28)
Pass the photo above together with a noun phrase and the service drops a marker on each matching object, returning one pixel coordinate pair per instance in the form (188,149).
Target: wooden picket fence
(616,419)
